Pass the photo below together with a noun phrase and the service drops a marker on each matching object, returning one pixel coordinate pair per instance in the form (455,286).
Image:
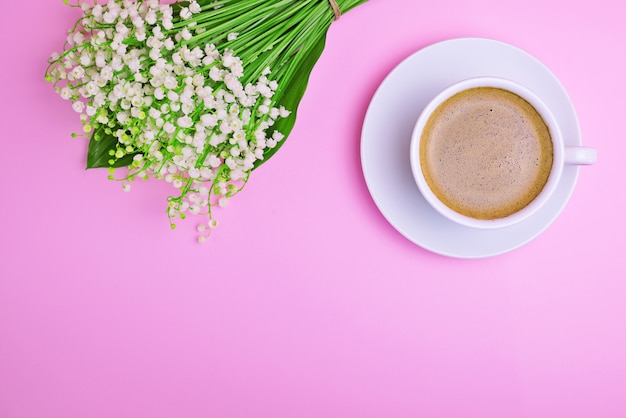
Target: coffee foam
(486,153)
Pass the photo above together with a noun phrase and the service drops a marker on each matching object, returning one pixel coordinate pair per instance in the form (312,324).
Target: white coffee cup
(562,155)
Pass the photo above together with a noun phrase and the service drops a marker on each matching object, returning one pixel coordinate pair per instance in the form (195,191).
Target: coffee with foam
(486,153)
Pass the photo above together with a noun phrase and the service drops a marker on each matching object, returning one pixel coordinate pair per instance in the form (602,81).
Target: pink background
(306,302)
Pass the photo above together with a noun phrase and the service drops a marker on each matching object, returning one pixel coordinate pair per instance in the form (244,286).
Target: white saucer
(387,131)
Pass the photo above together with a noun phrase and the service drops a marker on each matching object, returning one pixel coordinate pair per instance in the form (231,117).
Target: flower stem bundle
(196,93)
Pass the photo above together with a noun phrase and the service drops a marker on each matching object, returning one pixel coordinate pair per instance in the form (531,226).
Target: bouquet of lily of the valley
(196,93)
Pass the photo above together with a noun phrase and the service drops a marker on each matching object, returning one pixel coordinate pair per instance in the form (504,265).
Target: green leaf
(100,145)
(291,97)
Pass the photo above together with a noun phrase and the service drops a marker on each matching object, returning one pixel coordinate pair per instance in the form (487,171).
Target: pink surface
(306,302)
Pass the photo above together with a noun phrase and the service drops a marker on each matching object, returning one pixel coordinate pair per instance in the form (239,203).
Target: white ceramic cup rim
(555,172)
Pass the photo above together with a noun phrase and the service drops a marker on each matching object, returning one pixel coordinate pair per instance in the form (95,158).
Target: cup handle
(580,155)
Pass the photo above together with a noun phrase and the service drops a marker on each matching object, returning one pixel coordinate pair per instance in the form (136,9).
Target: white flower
(156,71)
(66,93)
(170,82)
(173,96)
(158,32)
(109,17)
(118,91)
(225,127)
(214,161)
(284,112)
(265,90)
(206,173)
(134,65)
(188,152)
(100,59)
(137,101)
(232,36)
(194,173)
(159,94)
(187,95)
(228,58)
(157,155)
(91,89)
(192,56)
(138,23)
(177,58)
(96,11)
(78,38)
(208,120)
(90,111)
(106,73)
(149,135)
(137,113)
(116,63)
(155,53)
(185,13)
(99,99)
(188,108)
(154,114)
(235,151)
(156,81)
(100,82)
(150,17)
(233,83)
(198,80)
(154,42)
(221,111)
(250,90)
(217,139)
(121,28)
(230,163)
(194,7)
(140,34)
(215,74)
(168,44)
(185,122)
(78,106)
(122,117)
(78,72)
(121,49)
(169,128)
(85,60)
